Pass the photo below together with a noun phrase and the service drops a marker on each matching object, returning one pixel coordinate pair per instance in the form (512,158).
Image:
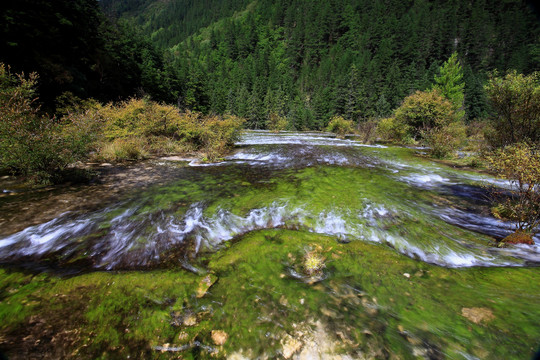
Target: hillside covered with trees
(310,60)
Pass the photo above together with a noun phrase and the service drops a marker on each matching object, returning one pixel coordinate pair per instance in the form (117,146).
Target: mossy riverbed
(205,261)
(373,303)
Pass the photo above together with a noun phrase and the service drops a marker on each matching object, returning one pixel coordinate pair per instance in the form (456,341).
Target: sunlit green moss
(371,298)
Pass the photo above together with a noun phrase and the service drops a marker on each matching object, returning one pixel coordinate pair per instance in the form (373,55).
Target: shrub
(340,126)
(139,117)
(219,134)
(445,140)
(515,100)
(389,129)
(276,123)
(33,145)
(422,111)
(520,164)
(368,131)
(123,149)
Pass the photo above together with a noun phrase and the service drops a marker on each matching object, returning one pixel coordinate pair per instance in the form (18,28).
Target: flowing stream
(170,257)
(308,181)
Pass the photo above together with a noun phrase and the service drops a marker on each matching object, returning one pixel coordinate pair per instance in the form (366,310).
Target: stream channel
(120,267)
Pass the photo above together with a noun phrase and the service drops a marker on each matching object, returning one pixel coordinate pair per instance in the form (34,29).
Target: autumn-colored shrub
(367,131)
(164,129)
(445,140)
(276,123)
(139,117)
(520,165)
(123,149)
(219,133)
(340,126)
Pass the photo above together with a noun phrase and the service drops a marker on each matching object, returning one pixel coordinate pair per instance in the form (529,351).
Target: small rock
(407,275)
(301,301)
(205,284)
(328,312)
(478,315)
(290,346)
(190,320)
(283,300)
(219,337)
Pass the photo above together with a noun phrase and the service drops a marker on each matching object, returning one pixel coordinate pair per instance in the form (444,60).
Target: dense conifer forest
(310,60)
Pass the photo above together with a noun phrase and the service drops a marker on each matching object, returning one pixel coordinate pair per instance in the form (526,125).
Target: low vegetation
(42,148)
(340,126)
(520,164)
(276,123)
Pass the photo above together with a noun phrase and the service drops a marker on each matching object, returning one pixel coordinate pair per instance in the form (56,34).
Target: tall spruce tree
(449,82)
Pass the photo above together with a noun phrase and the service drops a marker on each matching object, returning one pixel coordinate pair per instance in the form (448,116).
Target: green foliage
(423,111)
(276,123)
(444,141)
(134,127)
(311,60)
(340,126)
(449,83)
(520,164)
(74,48)
(515,100)
(389,129)
(33,145)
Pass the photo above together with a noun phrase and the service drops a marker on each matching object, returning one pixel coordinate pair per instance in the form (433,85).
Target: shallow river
(411,270)
(289,180)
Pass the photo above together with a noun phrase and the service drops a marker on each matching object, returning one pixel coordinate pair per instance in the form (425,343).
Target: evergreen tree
(449,83)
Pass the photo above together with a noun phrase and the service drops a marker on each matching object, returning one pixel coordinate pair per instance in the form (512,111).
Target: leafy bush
(219,134)
(139,117)
(159,125)
(389,129)
(276,123)
(423,111)
(368,131)
(520,164)
(33,145)
(443,141)
(340,126)
(515,99)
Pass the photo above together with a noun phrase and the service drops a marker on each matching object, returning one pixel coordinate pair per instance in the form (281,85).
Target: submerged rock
(219,337)
(205,284)
(478,315)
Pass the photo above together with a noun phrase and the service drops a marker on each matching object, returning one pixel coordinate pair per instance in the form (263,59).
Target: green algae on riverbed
(374,303)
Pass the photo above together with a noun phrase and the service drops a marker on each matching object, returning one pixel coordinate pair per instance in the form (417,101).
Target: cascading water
(307,181)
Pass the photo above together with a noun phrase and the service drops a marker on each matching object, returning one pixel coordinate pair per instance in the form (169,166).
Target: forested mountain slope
(75,49)
(308,60)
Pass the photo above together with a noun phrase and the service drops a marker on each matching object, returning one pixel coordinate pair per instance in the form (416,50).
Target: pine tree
(449,82)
